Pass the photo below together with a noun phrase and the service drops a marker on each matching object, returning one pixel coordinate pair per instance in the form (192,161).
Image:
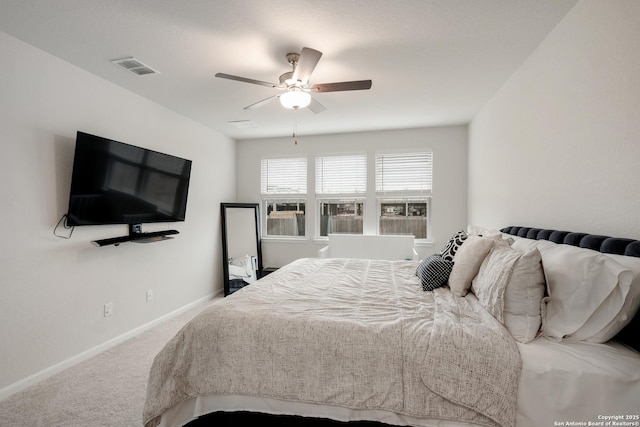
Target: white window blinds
(283,176)
(341,174)
(404,172)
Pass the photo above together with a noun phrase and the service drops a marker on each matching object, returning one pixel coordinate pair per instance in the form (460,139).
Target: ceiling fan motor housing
(285,79)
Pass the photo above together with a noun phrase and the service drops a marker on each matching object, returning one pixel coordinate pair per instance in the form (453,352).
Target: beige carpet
(106,390)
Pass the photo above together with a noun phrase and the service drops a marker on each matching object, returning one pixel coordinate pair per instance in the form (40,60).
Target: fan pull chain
(295,125)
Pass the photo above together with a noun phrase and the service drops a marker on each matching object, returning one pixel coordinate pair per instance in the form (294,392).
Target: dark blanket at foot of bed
(234,419)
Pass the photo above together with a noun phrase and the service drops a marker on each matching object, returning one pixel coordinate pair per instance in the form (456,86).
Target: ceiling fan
(296,86)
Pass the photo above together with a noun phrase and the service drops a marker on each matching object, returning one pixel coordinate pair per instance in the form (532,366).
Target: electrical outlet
(149,295)
(108,309)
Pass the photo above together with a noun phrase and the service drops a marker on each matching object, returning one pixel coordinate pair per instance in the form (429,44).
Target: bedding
(452,246)
(578,282)
(621,304)
(356,334)
(560,382)
(344,340)
(514,282)
(466,263)
(585,303)
(434,272)
(577,381)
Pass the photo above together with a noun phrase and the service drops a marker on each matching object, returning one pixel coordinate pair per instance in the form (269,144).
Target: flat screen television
(117,183)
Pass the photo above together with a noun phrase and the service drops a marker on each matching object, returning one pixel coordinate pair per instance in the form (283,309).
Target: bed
(496,329)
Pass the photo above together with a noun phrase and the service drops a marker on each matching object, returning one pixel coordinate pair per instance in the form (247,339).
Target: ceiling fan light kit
(295,98)
(295,84)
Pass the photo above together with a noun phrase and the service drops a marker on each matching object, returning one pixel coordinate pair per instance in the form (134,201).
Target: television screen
(118,183)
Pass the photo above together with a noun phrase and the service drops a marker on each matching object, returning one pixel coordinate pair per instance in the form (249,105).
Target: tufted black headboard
(604,244)
(630,335)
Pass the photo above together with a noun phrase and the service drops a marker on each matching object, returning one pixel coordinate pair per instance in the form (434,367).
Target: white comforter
(353,333)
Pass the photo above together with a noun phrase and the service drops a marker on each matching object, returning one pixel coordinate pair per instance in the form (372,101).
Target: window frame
(424,194)
(370,198)
(283,197)
(361,180)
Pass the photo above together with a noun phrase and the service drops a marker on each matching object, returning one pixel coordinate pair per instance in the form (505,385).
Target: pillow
(492,279)
(467,262)
(510,285)
(524,244)
(620,306)
(497,235)
(579,281)
(476,230)
(434,272)
(523,297)
(450,249)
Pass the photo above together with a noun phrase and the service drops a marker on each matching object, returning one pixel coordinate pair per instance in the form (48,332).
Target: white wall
(559,145)
(449,203)
(52,290)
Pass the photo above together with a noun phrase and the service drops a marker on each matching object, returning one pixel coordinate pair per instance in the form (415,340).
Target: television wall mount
(137,236)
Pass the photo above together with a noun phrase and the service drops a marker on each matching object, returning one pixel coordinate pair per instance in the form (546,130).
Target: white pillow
(578,282)
(466,263)
(523,244)
(476,230)
(620,306)
(510,284)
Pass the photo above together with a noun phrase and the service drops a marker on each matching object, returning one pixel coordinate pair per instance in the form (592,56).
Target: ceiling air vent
(134,66)
(243,124)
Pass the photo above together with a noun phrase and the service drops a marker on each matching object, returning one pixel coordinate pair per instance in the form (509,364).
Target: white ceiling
(432,62)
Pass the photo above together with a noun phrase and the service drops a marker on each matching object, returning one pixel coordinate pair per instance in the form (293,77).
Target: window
(341,186)
(283,176)
(341,216)
(285,217)
(283,186)
(403,190)
(399,195)
(404,216)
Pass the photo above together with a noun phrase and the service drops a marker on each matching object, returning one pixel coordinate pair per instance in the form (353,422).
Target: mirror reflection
(241,252)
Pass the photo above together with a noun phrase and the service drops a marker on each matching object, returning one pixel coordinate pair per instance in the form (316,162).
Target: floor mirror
(241,248)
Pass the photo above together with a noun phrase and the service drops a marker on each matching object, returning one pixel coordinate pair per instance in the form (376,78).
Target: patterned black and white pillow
(434,272)
(450,249)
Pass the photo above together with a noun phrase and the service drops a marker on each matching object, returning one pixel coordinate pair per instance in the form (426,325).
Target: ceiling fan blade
(246,80)
(306,64)
(262,103)
(341,86)
(316,107)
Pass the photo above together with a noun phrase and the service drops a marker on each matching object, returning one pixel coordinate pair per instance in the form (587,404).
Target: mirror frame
(225,253)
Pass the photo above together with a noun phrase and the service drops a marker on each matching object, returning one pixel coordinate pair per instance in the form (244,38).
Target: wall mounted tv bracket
(137,236)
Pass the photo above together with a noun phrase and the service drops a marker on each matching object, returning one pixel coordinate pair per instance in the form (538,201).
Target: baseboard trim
(74,360)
